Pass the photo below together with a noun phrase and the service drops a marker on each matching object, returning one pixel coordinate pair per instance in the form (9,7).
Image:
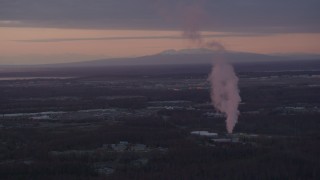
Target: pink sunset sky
(74,31)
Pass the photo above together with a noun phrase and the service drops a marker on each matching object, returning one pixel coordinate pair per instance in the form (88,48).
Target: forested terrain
(279,109)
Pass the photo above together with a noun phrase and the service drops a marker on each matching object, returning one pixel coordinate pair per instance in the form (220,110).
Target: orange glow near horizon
(9,47)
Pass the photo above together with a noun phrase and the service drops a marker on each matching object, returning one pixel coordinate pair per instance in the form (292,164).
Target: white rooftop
(203,133)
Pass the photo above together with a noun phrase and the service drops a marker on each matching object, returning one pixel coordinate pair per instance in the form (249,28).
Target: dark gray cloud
(134,38)
(222,15)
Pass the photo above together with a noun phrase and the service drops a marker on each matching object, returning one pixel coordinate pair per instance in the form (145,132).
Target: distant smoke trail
(224,82)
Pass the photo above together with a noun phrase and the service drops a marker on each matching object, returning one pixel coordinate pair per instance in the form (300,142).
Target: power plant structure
(226,138)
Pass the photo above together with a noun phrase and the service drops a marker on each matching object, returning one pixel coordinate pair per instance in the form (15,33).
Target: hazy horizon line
(48,40)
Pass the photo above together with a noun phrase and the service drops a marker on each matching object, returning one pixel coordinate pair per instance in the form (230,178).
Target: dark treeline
(284,157)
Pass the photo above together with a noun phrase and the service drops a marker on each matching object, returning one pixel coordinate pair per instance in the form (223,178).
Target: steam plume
(224,92)
(224,82)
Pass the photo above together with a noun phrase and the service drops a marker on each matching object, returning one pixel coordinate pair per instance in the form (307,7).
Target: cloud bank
(228,15)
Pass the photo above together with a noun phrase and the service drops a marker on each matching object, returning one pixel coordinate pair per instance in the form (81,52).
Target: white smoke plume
(224,82)
(224,92)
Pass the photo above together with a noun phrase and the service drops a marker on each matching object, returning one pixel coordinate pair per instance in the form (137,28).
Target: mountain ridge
(175,57)
(200,56)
